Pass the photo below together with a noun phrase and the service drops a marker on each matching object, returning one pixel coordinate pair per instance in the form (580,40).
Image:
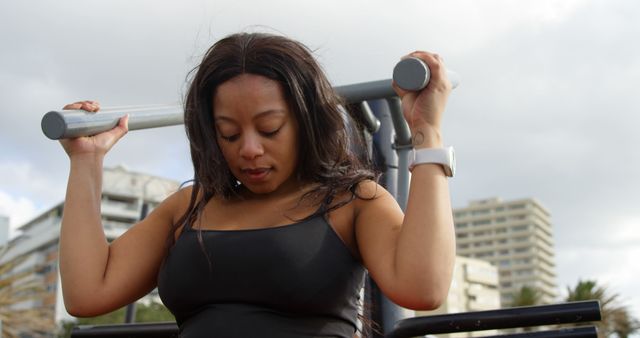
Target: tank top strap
(190,220)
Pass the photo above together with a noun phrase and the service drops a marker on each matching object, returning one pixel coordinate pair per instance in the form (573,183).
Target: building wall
(516,237)
(4,230)
(122,197)
(474,287)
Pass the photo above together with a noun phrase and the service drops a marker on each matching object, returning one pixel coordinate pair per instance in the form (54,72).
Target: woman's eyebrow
(260,115)
(268,113)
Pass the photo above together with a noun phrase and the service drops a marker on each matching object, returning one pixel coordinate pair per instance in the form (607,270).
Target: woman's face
(257,133)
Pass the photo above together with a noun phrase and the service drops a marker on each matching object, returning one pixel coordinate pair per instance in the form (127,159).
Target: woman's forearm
(425,251)
(84,250)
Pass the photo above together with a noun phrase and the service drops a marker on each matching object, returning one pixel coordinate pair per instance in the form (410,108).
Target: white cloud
(611,262)
(26,183)
(626,231)
(18,209)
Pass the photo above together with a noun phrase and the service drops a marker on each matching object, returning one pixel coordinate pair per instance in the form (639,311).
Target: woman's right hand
(98,144)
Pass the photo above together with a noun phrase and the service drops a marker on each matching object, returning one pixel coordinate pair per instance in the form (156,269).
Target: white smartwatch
(443,156)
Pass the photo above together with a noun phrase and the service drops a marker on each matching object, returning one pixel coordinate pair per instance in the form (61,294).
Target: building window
(524,272)
(482,222)
(520,228)
(51,288)
(484,254)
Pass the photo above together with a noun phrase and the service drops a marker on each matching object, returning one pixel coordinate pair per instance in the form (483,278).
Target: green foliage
(526,296)
(154,312)
(616,319)
(623,325)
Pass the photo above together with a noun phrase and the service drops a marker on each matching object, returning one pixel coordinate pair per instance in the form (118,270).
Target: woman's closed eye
(230,138)
(270,133)
(235,137)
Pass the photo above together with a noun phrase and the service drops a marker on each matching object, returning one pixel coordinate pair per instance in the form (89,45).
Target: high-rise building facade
(515,236)
(123,195)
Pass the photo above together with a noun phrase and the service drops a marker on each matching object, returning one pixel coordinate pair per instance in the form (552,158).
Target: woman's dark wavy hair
(324,155)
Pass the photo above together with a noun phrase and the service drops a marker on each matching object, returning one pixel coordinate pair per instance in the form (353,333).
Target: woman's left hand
(423,110)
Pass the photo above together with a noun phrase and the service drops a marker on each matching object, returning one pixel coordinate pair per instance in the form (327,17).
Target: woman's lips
(257,174)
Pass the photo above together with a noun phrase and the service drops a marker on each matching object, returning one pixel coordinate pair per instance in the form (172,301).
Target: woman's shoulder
(178,202)
(370,195)
(369,190)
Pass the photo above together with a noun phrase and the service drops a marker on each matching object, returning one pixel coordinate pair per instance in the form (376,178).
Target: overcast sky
(548,105)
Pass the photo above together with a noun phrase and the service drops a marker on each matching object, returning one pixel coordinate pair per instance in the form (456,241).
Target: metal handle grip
(413,74)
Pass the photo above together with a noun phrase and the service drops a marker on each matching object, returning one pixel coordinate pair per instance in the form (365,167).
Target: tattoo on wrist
(417,138)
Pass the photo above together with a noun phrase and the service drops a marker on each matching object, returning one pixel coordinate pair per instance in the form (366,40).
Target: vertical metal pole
(130,314)
(385,139)
(383,311)
(403,148)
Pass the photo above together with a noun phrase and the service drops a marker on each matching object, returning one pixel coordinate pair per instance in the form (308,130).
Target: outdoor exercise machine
(378,111)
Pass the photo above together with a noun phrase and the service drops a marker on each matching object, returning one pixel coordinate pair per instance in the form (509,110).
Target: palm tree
(526,296)
(16,289)
(623,324)
(615,318)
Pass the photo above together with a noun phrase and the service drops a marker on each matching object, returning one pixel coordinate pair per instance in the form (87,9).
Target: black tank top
(297,280)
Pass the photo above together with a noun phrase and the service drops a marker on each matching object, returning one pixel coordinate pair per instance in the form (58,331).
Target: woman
(273,237)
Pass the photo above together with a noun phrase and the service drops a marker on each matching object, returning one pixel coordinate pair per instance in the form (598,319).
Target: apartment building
(123,195)
(474,287)
(515,236)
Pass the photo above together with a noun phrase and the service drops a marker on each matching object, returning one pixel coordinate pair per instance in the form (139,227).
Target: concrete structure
(123,195)
(516,237)
(474,287)
(4,230)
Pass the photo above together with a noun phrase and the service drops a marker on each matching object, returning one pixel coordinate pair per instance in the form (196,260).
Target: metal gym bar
(411,74)
(525,316)
(518,317)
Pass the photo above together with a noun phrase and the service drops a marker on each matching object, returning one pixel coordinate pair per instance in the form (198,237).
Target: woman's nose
(251,147)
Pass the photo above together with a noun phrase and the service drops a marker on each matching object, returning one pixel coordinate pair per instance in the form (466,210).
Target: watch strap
(442,156)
